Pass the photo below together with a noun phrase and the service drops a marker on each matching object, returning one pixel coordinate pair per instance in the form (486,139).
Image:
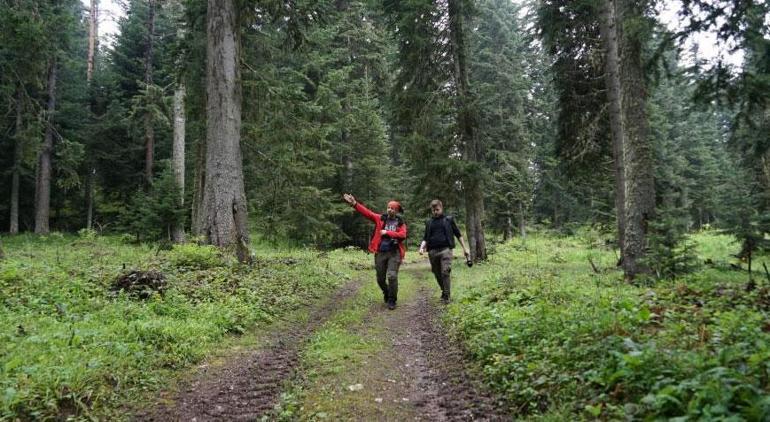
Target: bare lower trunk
(638,156)
(177,156)
(93,34)
(149,130)
(90,198)
(508,232)
(614,99)
(466,123)
(43,180)
(474,205)
(199,184)
(16,171)
(224,217)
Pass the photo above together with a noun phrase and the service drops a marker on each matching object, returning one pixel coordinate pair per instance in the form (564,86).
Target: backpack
(447,229)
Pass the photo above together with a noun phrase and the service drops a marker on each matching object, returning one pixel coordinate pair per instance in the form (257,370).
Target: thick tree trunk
(93,33)
(638,155)
(614,98)
(43,180)
(16,171)
(149,130)
(466,123)
(177,156)
(224,217)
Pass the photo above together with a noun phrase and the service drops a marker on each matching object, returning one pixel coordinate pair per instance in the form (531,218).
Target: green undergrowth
(73,346)
(562,341)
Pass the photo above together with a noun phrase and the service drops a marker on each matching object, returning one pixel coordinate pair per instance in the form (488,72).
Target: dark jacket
(449,228)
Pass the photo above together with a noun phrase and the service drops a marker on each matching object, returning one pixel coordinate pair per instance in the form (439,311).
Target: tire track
(249,385)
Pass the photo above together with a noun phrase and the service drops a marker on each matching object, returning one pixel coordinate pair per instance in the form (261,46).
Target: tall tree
(638,174)
(17,161)
(609,34)
(149,129)
(45,156)
(467,126)
(225,219)
(178,156)
(93,36)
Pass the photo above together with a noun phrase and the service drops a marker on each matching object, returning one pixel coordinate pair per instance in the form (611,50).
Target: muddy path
(248,384)
(415,371)
(351,359)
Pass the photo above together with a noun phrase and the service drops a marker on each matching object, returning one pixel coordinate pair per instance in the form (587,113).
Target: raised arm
(366,212)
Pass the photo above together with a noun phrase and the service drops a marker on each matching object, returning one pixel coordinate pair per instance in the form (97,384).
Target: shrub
(194,256)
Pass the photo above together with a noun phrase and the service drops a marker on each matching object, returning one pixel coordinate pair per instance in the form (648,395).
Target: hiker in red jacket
(387,244)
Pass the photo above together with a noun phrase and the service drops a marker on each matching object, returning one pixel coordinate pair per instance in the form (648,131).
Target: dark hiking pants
(441,266)
(387,264)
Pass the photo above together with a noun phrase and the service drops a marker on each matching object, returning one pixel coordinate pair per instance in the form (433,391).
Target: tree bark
(224,217)
(638,156)
(43,180)
(467,123)
(93,36)
(614,98)
(16,171)
(177,156)
(199,183)
(149,130)
(93,33)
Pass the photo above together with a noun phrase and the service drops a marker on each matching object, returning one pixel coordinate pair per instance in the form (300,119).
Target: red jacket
(379,223)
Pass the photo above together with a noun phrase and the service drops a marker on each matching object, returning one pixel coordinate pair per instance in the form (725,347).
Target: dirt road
(351,359)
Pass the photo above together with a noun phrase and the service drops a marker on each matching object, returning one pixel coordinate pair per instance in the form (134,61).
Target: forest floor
(350,358)
(546,329)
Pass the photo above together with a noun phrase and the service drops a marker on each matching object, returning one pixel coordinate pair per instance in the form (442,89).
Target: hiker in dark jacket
(387,244)
(440,231)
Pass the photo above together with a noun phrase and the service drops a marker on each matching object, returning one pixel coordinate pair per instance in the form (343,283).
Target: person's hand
(421,251)
(350,199)
(383,232)
(467,255)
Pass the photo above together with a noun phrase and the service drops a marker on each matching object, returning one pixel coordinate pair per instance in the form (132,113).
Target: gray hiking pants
(441,266)
(387,264)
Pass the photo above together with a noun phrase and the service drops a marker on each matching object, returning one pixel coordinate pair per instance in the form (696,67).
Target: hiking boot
(391,305)
(445,300)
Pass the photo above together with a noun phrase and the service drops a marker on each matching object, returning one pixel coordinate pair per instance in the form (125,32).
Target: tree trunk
(16,171)
(522,221)
(614,98)
(638,155)
(466,123)
(199,183)
(43,180)
(224,217)
(93,33)
(90,198)
(149,130)
(177,156)
(93,36)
